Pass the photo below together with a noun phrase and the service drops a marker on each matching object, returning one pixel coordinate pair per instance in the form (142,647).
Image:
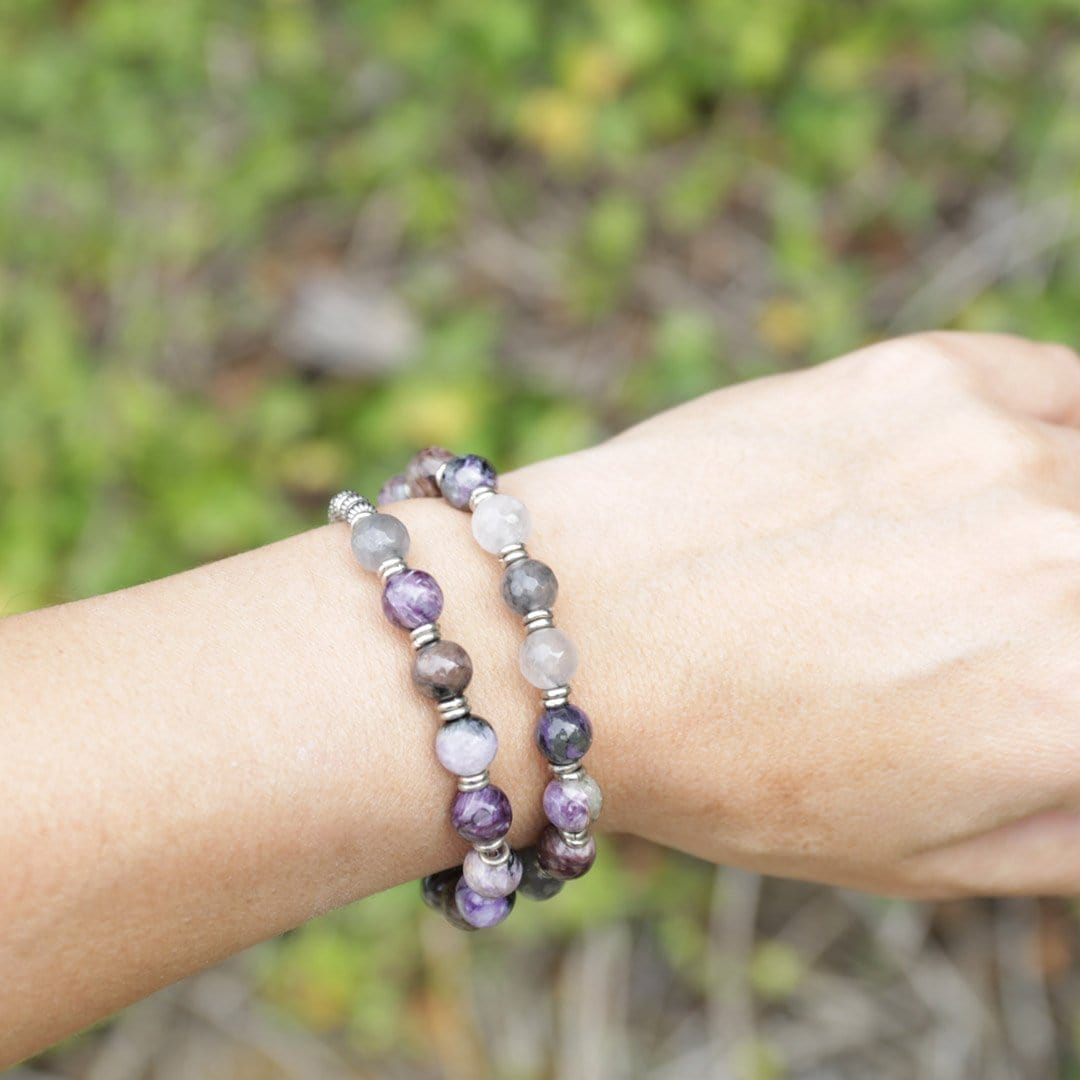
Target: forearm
(196,764)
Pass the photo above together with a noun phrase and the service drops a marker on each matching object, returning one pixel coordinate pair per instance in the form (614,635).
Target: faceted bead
(481,815)
(535,884)
(491,881)
(442,669)
(548,658)
(411,599)
(499,521)
(379,537)
(463,476)
(528,584)
(467,746)
(435,887)
(482,911)
(562,860)
(566,804)
(396,489)
(564,734)
(421,470)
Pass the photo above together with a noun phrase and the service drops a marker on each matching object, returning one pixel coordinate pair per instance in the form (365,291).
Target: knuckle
(1009,448)
(915,359)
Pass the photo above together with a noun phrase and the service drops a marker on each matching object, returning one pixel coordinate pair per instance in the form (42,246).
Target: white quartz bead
(548,658)
(500,520)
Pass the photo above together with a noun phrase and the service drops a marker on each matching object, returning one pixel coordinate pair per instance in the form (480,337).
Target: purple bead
(492,881)
(463,476)
(421,470)
(482,911)
(566,803)
(481,815)
(535,884)
(396,489)
(561,860)
(411,599)
(440,893)
(563,734)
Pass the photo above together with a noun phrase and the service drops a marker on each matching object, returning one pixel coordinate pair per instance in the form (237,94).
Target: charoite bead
(463,475)
(535,883)
(411,599)
(564,734)
(440,894)
(442,669)
(481,815)
(566,804)
(499,521)
(378,537)
(396,489)
(482,911)
(466,747)
(528,584)
(562,860)
(421,470)
(548,658)
(491,881)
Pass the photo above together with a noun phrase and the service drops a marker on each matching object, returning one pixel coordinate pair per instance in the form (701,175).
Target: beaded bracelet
(548,658)
(481,892)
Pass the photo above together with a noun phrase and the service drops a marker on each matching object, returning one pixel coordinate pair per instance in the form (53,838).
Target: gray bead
(379,537)
(529,585)
(535,884)
(442,670)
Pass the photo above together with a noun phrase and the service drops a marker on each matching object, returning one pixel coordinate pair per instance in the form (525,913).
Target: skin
(828,624)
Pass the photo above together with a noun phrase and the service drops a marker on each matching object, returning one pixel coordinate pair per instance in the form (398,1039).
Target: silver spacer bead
(575,839)
(556,696)
(513,553)
(479,495)
(475,782)
(424,635)
(392,567)
(573,771)
(540,619)
(348,506)
(494,853)
(453,708)
(440,472)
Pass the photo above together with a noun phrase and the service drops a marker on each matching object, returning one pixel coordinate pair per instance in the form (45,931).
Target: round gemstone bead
(421,470)
(561,860)
(466,747)
(491,881)
(481,815)
(499,521)
(463,475)
(442,669)
(564,734)
(566,804)
(378,537)
(548,658)
(535,884)
(411,599)
(528,584)
(434,887)
(396,489)
(479,911)
(594,795)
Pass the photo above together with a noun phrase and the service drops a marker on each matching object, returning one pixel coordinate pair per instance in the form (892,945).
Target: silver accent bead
(453,708)
(575,839)
(513,553)
(474,783)
(348,506)
(494,853)
(427,634)
(556,696)
(573,771)
(440,472)
(392,567)
(540,619)
(479,494)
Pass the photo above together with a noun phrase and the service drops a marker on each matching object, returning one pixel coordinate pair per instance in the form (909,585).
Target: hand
(830,621)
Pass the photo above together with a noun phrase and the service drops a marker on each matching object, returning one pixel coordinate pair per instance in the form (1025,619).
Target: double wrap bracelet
(481,892)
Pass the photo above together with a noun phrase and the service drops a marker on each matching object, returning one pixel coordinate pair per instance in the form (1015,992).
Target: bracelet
(481,892)
(548,658)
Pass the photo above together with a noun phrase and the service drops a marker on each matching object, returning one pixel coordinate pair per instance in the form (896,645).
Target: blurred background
(253,252)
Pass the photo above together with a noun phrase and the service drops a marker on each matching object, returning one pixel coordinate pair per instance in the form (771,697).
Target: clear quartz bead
(548,658)
(500,520)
